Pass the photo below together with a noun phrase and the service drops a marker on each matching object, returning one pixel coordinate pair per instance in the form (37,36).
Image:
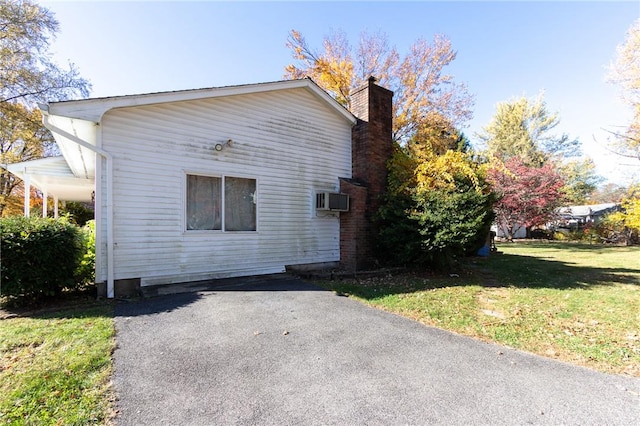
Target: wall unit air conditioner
(332,201)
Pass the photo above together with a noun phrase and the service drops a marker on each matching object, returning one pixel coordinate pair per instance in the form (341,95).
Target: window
(204,202)
(221,203)
(239,204)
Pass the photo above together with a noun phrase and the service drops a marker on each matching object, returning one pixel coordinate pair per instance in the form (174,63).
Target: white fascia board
(93,109)
(318,91)
(38,163)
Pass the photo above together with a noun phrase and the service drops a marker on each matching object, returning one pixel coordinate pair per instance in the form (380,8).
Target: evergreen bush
(39,257)
(452,224)
(436,223)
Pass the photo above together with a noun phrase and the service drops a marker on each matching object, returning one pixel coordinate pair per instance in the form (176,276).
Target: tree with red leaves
(526,195)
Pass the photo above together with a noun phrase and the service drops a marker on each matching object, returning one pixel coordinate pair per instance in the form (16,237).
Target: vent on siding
(332,201)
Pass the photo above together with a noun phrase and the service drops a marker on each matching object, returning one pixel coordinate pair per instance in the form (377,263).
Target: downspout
(109,219)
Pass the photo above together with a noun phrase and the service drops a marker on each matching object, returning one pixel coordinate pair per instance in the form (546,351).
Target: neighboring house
(578,216)
(502,231)
(222,182)
(570,217)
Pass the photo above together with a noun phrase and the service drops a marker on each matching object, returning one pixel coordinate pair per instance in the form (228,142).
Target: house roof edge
(93,109)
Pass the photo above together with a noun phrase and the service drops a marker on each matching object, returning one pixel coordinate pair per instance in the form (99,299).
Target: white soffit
(81,161)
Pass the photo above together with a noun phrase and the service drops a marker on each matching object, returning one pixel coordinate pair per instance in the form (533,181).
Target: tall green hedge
(39,257)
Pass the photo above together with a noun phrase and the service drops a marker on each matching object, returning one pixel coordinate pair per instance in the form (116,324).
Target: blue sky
(505,49)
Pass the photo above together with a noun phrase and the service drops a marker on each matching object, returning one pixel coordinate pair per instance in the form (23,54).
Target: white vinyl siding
(291,142)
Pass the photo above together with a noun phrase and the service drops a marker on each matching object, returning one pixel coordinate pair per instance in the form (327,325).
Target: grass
(573,302)
(55,368)
(577,303)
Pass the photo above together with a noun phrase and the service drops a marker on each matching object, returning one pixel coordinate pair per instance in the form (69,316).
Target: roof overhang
(81,160)
(92,110)
(53,176)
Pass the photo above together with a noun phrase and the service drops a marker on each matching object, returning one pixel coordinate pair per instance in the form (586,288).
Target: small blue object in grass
(483,251)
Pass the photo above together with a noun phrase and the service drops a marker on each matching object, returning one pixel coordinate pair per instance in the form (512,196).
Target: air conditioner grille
(332,201)
(339,202)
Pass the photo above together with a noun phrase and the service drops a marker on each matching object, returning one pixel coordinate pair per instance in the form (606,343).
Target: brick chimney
(371,148)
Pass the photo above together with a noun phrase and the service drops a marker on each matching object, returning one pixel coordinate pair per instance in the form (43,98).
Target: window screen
(205,203)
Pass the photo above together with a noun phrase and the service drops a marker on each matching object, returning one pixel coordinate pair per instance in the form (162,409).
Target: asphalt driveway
(279,351)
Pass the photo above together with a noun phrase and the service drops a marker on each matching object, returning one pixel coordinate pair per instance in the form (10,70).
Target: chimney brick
(371,148)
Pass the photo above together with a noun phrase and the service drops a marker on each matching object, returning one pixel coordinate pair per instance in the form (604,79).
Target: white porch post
(44,203)
(27,192)
(55,206)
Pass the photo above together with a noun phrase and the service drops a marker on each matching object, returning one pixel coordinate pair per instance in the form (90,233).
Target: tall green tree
(580,181)
(524,128)
(28,76)
(625,72)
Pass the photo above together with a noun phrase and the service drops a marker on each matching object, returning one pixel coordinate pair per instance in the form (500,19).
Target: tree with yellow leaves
(626,222)
(438,207)
(425,96)
(22,138)
(625,71)
(524,128)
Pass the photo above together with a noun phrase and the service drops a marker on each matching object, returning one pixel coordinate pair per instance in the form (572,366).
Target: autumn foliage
(425,96)
(438,204)
(626,73)
(437,209)
(28,76)
(526,195)
(626,222)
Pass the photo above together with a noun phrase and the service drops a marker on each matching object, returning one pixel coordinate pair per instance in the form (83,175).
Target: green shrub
(452,224)
(432,227)
(79,213)
(85,274)
(40,257)
(398,239)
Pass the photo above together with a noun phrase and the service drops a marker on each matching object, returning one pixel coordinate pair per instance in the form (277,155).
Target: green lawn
(577,303)
(573,302)
(55,368)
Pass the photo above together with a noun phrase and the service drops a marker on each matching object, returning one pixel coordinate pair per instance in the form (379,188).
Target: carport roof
(53,176)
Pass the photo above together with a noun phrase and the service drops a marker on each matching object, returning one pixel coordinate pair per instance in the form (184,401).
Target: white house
(220,182)
(578,216)
(503,232)
(203,184)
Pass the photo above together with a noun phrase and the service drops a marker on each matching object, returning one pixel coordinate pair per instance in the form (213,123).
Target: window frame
(222,178)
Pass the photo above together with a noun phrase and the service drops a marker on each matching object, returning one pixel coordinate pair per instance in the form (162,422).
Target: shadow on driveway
(183,294)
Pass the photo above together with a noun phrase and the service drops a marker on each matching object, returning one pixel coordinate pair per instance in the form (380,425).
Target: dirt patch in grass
(67,300)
